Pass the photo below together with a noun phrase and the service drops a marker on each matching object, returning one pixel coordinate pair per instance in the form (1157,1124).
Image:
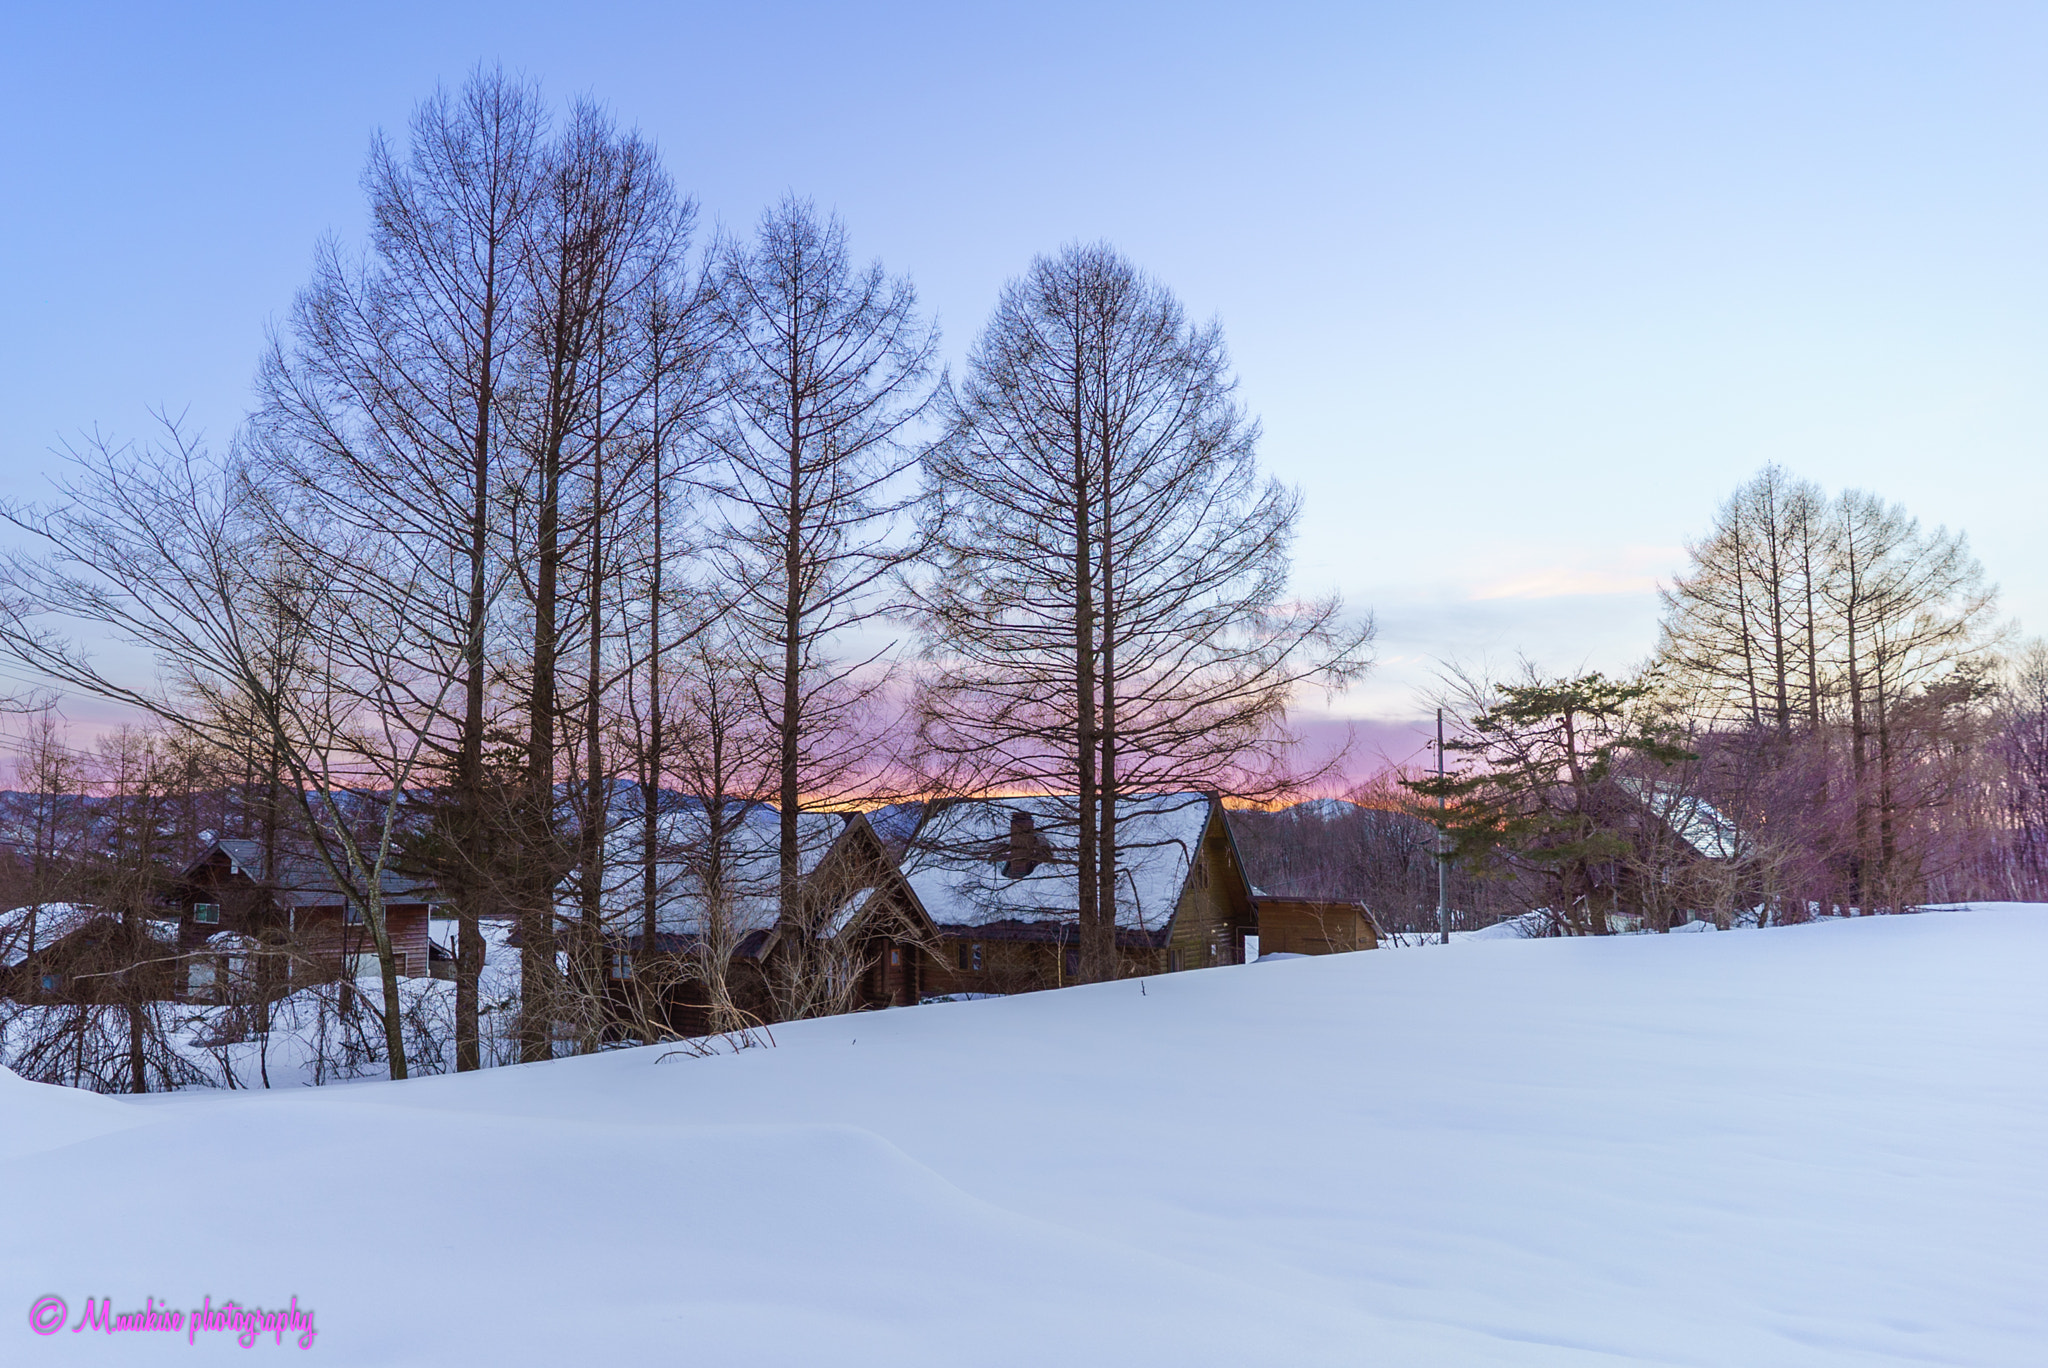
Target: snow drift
(1810,1145)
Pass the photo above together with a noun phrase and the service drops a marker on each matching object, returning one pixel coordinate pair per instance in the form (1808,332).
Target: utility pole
(1443,855)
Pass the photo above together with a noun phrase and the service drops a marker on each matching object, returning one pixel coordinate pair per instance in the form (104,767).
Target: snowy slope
(1814,1145)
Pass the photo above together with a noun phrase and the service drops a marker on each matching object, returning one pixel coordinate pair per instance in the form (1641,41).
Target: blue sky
(1519,292)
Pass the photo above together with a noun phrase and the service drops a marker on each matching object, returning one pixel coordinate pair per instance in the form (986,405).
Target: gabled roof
(300,879)
(1692,819)
(52,921)
(956,861)
(56,921)
(750,870)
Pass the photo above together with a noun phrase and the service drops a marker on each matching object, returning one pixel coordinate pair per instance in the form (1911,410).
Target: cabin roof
(751,870)
(53,921)
(1692,819)
(57,921)
(301,880)
(956,860)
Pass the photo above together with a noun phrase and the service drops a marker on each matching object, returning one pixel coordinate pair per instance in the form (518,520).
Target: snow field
(1809,1145)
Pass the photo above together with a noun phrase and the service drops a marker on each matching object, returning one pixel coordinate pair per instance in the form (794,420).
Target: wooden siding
(1215,912)
(1305,926)
(971,960)
(246,908)
(327,936)
(895,979)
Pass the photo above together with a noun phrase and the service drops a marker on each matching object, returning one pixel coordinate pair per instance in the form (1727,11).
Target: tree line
(1833,723)
(553,503)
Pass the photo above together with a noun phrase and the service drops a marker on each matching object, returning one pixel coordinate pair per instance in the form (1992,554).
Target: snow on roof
(750,869)
(848,911)
(301,880)
(1694,820)
(494,932)
(956,862)
(52,920)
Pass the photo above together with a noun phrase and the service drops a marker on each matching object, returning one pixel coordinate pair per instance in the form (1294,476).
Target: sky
(1519,293)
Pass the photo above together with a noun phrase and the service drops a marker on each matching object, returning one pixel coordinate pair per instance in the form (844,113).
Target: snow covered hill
(1814,1145)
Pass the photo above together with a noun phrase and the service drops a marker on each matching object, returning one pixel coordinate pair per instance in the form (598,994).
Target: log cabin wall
(1215,911)
(1305,926)
(968,960)
(1010,966)
(895,974)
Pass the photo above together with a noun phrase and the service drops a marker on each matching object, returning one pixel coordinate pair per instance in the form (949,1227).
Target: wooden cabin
(875,939)
(1688,859)
(74,953)
(1314,926)
(998,880)
(309,928)
(855,940)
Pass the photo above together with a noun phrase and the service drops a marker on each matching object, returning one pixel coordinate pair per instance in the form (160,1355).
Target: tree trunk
(790,725)
(469,769)
(1098,950)
(537,933)
(138,1059)
(394,1020)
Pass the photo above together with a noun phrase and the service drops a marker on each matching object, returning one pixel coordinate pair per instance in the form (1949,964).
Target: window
(1173,961)
(199,979)
(353,915)
(50,982)
(622,965)
(208,913)
(963,956)
(977,957)
(895,956)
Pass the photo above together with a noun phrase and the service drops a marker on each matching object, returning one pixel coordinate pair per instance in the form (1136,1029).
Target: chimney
(1024,846)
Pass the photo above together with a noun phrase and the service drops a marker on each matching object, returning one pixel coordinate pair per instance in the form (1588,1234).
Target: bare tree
(728,760)
(52,776)
(181,555)
(1106,608)
(666,612)
(2021,747)
(1914,610)
(1831,659)
(604,238)
(830,367)
(1749,620)
(387,409)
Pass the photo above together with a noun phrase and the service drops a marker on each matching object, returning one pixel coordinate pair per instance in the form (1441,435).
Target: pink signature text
(246,1324)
